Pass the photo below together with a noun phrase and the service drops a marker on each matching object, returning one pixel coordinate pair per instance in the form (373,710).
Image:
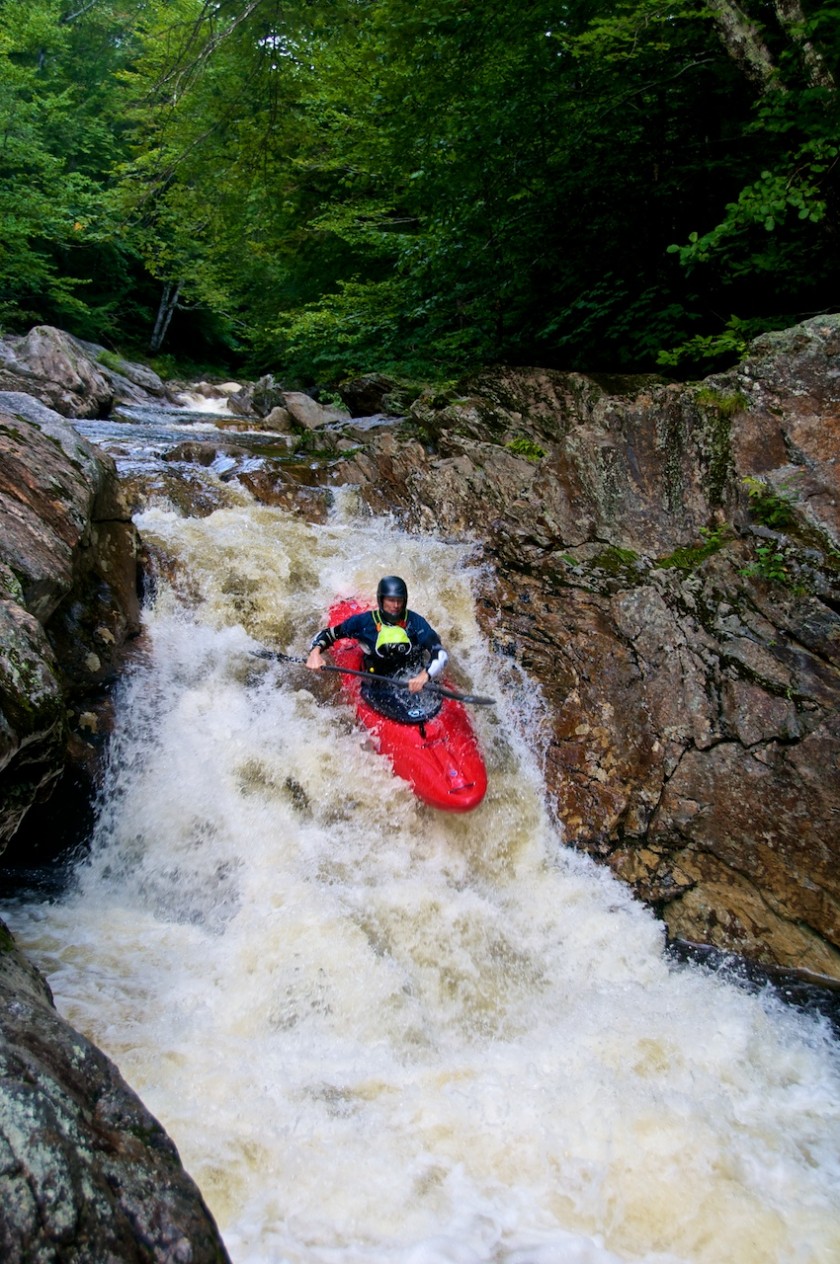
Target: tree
(60,135)
(774,254)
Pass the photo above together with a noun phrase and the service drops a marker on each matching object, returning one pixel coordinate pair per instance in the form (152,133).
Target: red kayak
(438,755)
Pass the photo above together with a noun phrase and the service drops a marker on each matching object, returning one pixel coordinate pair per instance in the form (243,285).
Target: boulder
(279,419)
(308,413)
(73,377)
(88,1173)
(76,387)
(258,398)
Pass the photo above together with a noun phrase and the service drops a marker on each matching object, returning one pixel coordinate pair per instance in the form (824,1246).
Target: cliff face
(666,562)
(68,598)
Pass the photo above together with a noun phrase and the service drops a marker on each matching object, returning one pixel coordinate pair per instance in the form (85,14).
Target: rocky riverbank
(664,569)
(665,565)
(87,1173)
(665,562)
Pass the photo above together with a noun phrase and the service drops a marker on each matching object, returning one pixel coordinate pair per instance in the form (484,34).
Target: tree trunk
(745,44)
(792,20)
(168,303)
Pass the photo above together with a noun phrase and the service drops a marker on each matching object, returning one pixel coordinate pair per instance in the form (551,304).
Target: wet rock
(203,452)
(88,1173)
(67,592)
(297,488)
(686,644)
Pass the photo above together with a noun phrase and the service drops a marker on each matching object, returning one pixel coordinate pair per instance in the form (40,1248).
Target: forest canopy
(327,187)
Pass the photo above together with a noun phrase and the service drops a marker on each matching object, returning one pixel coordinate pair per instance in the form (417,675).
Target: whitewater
(379,1034)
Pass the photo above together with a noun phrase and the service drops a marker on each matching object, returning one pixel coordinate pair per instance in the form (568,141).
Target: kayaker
(394,639)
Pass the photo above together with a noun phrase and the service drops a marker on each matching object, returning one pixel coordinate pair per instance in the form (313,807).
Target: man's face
(392,605)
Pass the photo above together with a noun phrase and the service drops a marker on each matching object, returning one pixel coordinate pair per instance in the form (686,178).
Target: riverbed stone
(307,413)
(88,1174)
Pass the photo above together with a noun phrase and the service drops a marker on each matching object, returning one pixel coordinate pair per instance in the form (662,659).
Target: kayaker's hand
(417,682)
(315,661)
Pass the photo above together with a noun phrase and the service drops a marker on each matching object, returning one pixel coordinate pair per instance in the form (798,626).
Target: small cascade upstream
(379,1034)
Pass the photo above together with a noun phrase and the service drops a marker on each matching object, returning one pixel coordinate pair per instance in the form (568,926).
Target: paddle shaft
(473,699)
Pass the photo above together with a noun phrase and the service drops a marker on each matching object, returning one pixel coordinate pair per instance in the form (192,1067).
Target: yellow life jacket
(392,640)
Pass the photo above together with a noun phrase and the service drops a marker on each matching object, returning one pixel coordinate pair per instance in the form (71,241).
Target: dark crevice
(812,994)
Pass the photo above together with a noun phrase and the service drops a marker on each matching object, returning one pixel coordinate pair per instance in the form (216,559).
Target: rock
(308,413)
(203,451)
(56,358)
(71,376)
(685,647)
(369,394)
(258,397)
(122,373)
(33,728)
(68,589)
(88,1173)
(279,419)
(297,488)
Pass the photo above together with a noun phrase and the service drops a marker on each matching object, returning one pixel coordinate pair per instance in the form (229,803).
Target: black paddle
(471,698)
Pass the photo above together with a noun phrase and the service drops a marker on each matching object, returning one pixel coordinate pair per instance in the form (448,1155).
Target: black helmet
(392,586)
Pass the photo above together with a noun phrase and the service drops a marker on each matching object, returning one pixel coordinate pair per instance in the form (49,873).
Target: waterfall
(379,1034)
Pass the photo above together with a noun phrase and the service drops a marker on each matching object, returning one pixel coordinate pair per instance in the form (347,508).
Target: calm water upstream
(379,1034)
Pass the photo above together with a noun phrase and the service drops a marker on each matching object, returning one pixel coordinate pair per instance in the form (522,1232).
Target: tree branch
(71,17)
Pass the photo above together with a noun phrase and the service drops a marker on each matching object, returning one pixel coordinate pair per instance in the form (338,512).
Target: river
(377,1033)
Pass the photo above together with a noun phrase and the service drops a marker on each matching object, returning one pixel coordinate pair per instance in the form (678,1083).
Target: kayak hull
(439,758)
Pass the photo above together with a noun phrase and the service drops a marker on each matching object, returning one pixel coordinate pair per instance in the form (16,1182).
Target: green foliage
(703,353)
(109,360)
(59,259)
(767,202)
(770,565)
(523,446)
(344,185)
(771,508)
(617,561)
(712,540)
(725,405)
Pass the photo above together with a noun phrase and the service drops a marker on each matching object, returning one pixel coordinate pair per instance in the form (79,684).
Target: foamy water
(382,1035)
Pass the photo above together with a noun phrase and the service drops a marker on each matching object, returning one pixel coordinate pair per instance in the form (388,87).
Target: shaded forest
(328,187)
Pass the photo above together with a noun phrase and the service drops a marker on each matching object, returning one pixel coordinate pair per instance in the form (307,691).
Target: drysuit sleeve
(325,638)
(429,641)
(355,626)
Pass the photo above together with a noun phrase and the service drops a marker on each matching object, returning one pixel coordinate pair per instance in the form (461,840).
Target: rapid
(379,1034)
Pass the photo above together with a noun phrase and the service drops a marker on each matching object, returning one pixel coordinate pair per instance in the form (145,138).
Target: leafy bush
(523,446)
(770,508)
(769,565)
